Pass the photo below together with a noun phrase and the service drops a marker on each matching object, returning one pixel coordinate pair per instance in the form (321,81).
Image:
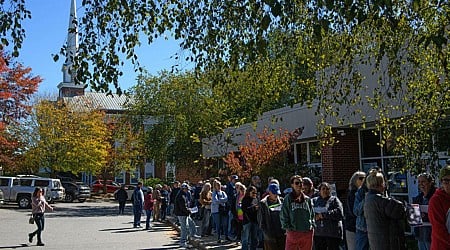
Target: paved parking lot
(89,225)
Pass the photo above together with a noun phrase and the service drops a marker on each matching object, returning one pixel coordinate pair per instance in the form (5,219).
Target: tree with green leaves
(403,43)
(126,150)
(174,110)
(67,140)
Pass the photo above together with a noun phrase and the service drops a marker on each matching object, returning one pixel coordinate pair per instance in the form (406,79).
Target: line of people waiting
(305,217)
(309,218)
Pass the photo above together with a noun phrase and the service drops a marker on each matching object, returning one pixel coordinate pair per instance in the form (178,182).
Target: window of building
(149,170)
(443,140)
(135,176)
(170,172)
(370,146)
(372,155)
(308,153)
(120,178)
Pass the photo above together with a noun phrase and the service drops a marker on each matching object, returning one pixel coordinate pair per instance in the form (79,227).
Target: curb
(196,243)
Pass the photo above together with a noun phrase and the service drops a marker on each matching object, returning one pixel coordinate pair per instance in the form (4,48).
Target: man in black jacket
(269,219)
(122,197)
(172,195)
(181,210)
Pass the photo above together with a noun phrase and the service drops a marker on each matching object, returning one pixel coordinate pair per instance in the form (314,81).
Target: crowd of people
(302,217)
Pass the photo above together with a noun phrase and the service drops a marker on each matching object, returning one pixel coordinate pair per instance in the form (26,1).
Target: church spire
(72,36)
(68,88)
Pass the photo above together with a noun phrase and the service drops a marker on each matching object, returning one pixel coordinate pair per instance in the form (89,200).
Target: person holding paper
(250,208)
(181,210)
(437,212)
(329,214)
(422,233)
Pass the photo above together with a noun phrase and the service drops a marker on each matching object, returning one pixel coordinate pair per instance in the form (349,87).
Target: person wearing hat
(181,210)
(269,218)
(438,208)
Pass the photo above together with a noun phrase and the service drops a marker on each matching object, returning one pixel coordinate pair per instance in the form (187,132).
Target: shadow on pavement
(83,211)
(15,247)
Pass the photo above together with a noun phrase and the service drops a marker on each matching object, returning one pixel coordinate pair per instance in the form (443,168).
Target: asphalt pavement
(89,225)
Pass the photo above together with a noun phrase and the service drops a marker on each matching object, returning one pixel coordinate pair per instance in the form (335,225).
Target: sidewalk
(208,242)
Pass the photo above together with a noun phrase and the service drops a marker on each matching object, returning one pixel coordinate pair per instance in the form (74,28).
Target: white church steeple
(68,88)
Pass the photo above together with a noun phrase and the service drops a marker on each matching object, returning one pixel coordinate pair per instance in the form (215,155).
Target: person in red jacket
(148,207)
(437,212)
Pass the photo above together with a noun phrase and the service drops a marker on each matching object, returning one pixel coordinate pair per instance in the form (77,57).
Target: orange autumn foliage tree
(17,85)
(261,152)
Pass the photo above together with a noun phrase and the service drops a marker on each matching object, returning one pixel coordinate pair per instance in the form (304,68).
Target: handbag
(31,219)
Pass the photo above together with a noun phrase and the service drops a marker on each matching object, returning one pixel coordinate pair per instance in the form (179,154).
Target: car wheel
(69,197)
(81,200)
(24,201)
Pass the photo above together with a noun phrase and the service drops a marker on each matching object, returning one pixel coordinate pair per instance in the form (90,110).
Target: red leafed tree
(17,85)
(264,150)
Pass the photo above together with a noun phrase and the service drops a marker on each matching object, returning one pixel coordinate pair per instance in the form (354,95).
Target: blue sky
(46,33)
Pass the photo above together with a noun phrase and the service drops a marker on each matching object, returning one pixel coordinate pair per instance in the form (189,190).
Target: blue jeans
(40,221)
(206,222)
(362,240)
(137,211)
(163,212)
(192,226)
(250,236)
(184,228)
(231,230)
(147,220)
(423,245)
(220,221)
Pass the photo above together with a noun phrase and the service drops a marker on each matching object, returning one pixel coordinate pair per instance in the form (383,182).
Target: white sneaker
(197,236)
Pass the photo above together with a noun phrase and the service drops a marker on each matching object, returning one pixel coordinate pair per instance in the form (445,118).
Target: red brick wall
(192,175)
(341,160)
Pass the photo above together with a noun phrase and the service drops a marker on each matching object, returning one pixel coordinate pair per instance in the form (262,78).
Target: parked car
(20,189)
(76,191)
(111,186)
(2,198)
(130,190)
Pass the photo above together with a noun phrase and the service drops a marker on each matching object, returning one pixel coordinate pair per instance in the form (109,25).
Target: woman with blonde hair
(384,215)
(205,200)
(218,211)
(240,194)
(354,184)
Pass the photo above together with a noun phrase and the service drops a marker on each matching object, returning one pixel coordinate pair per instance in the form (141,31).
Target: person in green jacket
(297,217)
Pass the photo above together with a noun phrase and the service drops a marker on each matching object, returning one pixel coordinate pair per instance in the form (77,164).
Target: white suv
(53,186)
